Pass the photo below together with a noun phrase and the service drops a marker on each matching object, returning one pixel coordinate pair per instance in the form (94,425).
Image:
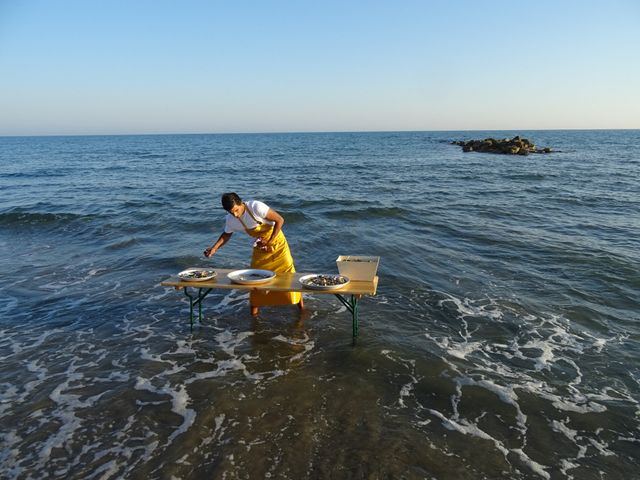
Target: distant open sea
(503,343)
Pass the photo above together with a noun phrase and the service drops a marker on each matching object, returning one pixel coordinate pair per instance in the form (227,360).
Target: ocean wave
(365,213)
(19,217)
(145,154)
(123,243)
(36,174)
(528,176)
(295,217)
(152,156)
(304,204)
(139,204)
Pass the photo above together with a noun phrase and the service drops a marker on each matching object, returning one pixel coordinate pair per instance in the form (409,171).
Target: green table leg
(353,307)
(186,292)
(197,300)
(356,311)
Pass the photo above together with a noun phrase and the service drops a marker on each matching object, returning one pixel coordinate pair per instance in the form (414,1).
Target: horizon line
(294,132)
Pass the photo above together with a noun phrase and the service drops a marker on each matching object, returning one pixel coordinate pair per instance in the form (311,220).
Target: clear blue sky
(110,66)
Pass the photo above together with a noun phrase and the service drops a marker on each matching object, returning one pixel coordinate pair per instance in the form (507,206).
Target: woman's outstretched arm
(222,239)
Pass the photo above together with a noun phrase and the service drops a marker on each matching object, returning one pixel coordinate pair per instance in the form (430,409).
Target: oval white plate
(306,281)
(251,276)
(186,275)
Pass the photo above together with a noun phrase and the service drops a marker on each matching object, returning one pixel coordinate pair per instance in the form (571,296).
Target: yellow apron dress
(278,260)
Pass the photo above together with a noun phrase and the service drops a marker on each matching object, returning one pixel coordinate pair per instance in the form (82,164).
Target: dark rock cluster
(514,146)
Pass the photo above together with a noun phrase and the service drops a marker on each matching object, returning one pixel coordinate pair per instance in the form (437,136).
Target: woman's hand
(263,245)
(224,238)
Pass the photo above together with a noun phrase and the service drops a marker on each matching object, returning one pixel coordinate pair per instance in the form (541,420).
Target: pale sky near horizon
(127,67)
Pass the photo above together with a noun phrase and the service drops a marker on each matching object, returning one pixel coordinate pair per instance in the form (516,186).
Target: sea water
(503,341)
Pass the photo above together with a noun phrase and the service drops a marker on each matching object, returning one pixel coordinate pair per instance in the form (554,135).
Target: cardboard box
(358,267)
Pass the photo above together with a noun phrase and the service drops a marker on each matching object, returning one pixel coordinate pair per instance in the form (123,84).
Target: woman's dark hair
(229,200)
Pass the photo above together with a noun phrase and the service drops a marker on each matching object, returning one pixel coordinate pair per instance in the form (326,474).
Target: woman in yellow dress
(271,250)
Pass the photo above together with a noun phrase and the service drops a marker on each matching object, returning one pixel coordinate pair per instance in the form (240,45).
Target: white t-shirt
(259,210)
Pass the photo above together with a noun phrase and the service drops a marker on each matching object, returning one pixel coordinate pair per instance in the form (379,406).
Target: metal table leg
(197,300)
(352,306)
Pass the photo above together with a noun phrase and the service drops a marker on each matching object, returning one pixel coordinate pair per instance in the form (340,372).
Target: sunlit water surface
(503,342)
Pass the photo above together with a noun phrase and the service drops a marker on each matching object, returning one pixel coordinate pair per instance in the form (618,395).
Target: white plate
(306,280)
(251,276)
(188,274)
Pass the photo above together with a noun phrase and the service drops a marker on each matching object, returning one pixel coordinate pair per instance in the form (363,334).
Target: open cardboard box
(358,267)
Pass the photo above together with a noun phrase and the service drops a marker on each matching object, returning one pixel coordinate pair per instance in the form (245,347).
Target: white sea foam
(184,347)
(534,466)
(218,431)
(161,294)
(75,277)
(546,357)
(565,466)
(505,394)
(550,337)
(223,368)
(561,427)
(407,389)
(600,343)
(469,308)
(466,428)
(229,341)
(303,342)
(145,355)
(8,392)
(68,404)
(601,447)
(629,439)
(462,350)
(114,376)
(576,403)
(179,401)
(231,299)
(33,344)
(27,389)
(548,345)
(10,454)
(106,470)
(573,436)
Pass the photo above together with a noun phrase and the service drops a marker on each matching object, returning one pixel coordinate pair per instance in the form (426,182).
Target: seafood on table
(324,281)
(251,276)
(197,274)
(254,276)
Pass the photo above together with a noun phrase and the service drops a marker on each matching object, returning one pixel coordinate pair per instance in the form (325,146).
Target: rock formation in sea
(514,146)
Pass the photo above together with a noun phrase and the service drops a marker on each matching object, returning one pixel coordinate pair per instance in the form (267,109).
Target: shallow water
(503,342)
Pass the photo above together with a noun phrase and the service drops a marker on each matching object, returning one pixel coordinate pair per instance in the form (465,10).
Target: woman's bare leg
(301,304)
(254,311)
